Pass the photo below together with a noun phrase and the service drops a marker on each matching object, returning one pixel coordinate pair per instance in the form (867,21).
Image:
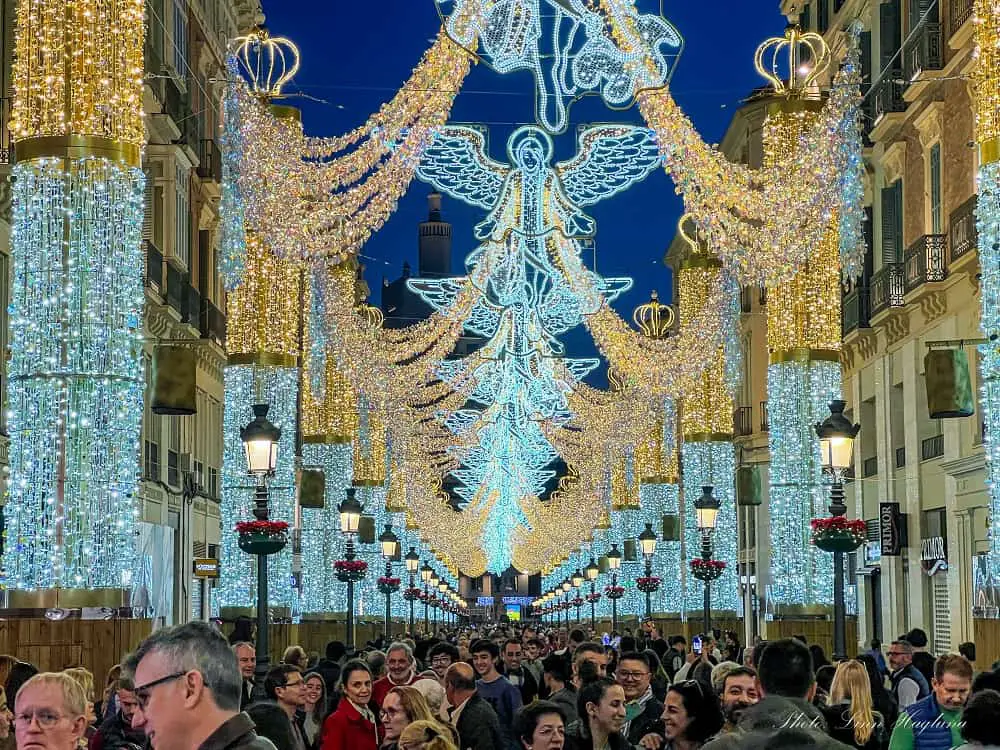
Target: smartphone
(606,639)
(696,644)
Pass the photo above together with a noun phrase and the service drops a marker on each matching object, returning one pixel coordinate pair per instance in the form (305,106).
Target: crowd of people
(190,688)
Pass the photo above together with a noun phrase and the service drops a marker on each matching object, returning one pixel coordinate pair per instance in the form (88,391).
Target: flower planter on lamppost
(349,570)
(649,583)
(577,580)
(706,510)
(261,537)
(836,534)
(387,584)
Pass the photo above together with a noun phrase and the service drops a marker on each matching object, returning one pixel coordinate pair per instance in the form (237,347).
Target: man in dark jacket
(642,709)
(908,683)
(555,672)
(329,667)
(476,721)
(516,673)
(188,691)
(786,682)
(116,731)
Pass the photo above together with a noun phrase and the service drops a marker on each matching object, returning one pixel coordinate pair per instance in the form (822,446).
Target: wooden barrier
(55,645)
(987,639)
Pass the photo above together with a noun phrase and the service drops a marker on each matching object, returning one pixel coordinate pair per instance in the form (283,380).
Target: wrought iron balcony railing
(887,287)
(925,260)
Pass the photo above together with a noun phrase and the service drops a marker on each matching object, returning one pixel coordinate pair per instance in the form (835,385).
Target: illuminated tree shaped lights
(803,331)
(986,78)
(75,375)
(707,452)
(526,303)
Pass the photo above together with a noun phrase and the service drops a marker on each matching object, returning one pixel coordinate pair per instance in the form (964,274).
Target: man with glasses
(642,710)
(116,731)
(285,686)
(441,656)
(188,691)
(908,684)
(49,713)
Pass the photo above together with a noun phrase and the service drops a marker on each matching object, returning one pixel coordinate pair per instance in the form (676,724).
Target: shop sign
(892,531)
(484,601)
(206,567)
(933,554)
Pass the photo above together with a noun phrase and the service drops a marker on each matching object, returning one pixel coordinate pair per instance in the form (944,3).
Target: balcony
(857,310)
(962,234)
(925,260)
(931,447)
(959,17)
(870,467)
(175,289)
(886,103)
(154,267)
(191,312)
(209,160)
(764,424)
(923,55)
(213,323)
(743,421)
(887,288)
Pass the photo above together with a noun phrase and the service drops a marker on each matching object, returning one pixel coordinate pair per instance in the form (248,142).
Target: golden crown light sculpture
(268,63)
(803,335)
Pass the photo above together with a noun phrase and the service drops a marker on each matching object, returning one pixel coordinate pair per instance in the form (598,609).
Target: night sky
(356,55)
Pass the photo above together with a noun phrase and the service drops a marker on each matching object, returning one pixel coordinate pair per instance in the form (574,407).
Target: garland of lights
(986,83)
(75,375)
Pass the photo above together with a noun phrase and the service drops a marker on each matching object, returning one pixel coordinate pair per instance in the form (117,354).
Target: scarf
(634,709)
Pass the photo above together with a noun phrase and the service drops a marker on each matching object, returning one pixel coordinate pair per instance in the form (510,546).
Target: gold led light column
(75,374)
(803,335)
(707,452)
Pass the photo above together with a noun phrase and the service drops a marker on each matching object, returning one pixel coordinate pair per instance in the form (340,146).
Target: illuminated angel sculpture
(567,47)
(520,379)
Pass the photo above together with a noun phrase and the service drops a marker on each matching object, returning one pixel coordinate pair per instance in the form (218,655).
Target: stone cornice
(965,465)
(929,124)
(894,161)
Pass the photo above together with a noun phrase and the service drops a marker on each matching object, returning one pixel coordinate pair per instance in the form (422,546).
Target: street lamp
(260,442)
(390,547)
(577,579)
(566,585)
(836,446)
(706,510)
(590,573)
(425,576)
(350,519)
(614,563)
(412,566)
(442,587)
(647,544)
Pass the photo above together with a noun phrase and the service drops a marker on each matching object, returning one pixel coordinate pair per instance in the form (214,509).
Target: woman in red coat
(353,725)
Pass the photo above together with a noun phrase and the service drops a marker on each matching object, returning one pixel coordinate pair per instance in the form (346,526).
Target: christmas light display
(75,375)
(528,201)
(986,87)
(572,56)
(803,332)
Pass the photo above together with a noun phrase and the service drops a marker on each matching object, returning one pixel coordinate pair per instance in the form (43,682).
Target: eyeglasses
(688,683)
(46,718)
(294,684)
(623,675)
(441,660)
(142,692)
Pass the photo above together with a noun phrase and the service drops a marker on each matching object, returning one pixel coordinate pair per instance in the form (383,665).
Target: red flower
(261,527)
(593,598)
(350,566)
(708,564)
(388,581)
(836,524)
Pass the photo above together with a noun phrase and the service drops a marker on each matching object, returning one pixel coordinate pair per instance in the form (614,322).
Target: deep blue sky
(355,55)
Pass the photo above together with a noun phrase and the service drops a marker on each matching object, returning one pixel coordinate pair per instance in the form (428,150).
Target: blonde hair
(430,733)
(294,655)
(413,703)
(85,678)
(74,699)
(850,684)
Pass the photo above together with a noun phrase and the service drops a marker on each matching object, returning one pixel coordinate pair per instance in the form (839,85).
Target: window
(151,461)
(892,223)
(198,470)
(182,213)
(180,42)
(173,469)
(212,486)
(935,189)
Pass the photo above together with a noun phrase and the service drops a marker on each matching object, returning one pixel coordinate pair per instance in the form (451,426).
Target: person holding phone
(698,654)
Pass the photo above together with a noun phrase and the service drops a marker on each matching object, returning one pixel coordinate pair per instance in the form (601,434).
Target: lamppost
(706,510)
(577,583)
(443,588)
(412,565)
(614,563)
(590,573)
(350,519)
(566,586)
(425,576)
(647,545)
(836,444)
(390,548)
(434,580)
(260,443)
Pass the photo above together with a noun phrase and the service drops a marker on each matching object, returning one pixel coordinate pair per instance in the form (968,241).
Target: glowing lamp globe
(260,442)
(412,561)
(647,541)
(389,542)
(706,510)
(350,513)
(567,585)
(426,572)
(577,578)
(836,439)
(614,558)
(592,570)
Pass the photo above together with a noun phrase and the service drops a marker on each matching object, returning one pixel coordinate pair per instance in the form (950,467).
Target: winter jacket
(566,700)
(925,726)
(778,722)
(115,733)
(647,722)
(347,729)
(478,726)
(578,738)
(236,733)
(838,718)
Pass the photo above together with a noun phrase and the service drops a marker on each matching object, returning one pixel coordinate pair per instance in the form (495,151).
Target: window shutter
(890,38)
(147,211)
(866,61)
(891,223)
(936,222)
